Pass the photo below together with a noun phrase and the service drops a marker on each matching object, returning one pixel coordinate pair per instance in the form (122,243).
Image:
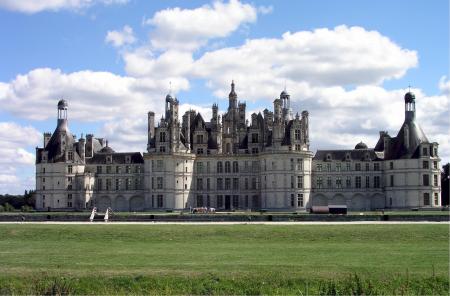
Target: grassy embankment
(220,259)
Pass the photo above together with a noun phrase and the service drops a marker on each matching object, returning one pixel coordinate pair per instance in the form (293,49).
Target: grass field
(221,259)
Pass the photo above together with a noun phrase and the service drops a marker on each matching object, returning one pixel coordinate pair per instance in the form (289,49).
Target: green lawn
(224,259)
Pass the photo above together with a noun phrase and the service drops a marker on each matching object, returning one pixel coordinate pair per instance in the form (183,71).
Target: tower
(232,97)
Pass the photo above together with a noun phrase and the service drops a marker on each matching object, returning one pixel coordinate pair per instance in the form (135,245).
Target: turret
(150,128)
(62,111)
(232,97)
(410,107)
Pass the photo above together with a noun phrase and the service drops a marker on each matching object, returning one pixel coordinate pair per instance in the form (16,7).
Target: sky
(349,63)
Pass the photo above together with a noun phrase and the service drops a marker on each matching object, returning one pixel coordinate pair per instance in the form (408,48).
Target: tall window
(391,165)
(357,166)
(376,166)
(162,136)
(159,183)
(70,155)
(338,167)
(319,182)
(436,199)
(338,182)
(392,180)
(227,167)
(367,182)
(246,183)
(255,138)
(200,167)
(348,166)
(435,180)
(117,184)
(219,167)
(292,200)
(219,183)
(199,139)
(199,200)
(367,166)
(376,182)
(297,134)
(299,182)
(358,181)
(159,201)
(328,167)
(329,182)
(208,185)
(235,167)
(299,200)
(348,182)
(425,164)
(319,167)
(292,182)
(235,183)
(426,199)
(227,183)
(300,164)
(235,201)
(426,180)
(199,184)
(219,201)
(69,169)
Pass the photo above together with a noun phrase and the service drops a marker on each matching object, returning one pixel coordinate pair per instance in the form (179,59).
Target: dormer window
(328,156)
(70,155)
(127,159)
(108,159)
(297,135)
(347,156)
(424,151)
(255,138)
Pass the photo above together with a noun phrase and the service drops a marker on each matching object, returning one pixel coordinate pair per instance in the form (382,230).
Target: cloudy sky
(347,62)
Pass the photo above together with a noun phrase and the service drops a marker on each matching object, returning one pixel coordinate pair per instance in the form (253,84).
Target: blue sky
(347,62)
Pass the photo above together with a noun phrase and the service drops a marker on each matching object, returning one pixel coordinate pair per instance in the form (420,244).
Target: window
(254,183)
(348,182)
(162,136)
(328,167)
(99,184)
(246,183)
(435,152)
(219,183)
(435,165)
(319,167)
(199,184)
(199,200)
(297,134)
(338,167)
(159,183)
(392,180)
(200,151)
(300,164)
(219,167)
(391,165)
(292,164)
(69,169)
(357,166)
(235,183)
(219,201)
(99,169)
(108,184)
(367,166)
(159,201)
(426,199)
(117,184)
(358,181)
(128,169)
(298,147)
(235,201)
(227,183)
(235,167)
(199,139)
(228,148)
(436,199)
(299,200)
(319,183)
(376,166)
(435,180)
(367,182)
(159,164)
(299,181)
(329,183)
(118,169)
(376,182)
(199,167)
(127,184)
(255,138)
(43,180)
(348,166)
(255,150)
(208,201)
(425,164)
(292,182)
(162,148)
(208,184)
(292,200)
(426,180)
(227,167)
(338,182)
(70,155)
(43,170)
(424,151)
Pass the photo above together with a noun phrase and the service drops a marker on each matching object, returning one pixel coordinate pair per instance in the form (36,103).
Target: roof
(116,158)
(355,154)
(399,148)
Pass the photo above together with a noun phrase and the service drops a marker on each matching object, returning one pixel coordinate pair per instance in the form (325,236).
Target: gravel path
(229,223)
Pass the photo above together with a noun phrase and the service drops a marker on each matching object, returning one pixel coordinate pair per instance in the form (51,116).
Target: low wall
(218,217)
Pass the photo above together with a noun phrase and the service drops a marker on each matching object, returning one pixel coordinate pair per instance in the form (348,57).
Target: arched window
(227,167)
(235,167)
(219,167)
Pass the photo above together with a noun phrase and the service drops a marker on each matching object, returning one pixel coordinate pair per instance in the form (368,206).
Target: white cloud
(265,9)
(16,159)
(323,57)
(92,96)
(35,6)
(188,29)
(120,38)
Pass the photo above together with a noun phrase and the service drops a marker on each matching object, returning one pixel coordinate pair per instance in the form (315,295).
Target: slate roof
(117,158)
(355,154)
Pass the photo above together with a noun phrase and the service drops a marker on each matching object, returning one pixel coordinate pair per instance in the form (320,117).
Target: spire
(232,97)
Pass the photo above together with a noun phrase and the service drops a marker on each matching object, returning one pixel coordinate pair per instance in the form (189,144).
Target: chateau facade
(229,163)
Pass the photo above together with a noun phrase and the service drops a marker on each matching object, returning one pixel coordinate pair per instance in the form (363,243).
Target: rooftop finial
(232,85)
(106,143)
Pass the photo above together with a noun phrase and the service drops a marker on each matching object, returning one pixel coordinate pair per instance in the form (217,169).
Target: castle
(229,163)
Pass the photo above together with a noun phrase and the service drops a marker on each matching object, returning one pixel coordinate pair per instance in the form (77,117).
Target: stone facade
(230,163)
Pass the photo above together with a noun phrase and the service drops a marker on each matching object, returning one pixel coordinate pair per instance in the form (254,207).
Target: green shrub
(8,207)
